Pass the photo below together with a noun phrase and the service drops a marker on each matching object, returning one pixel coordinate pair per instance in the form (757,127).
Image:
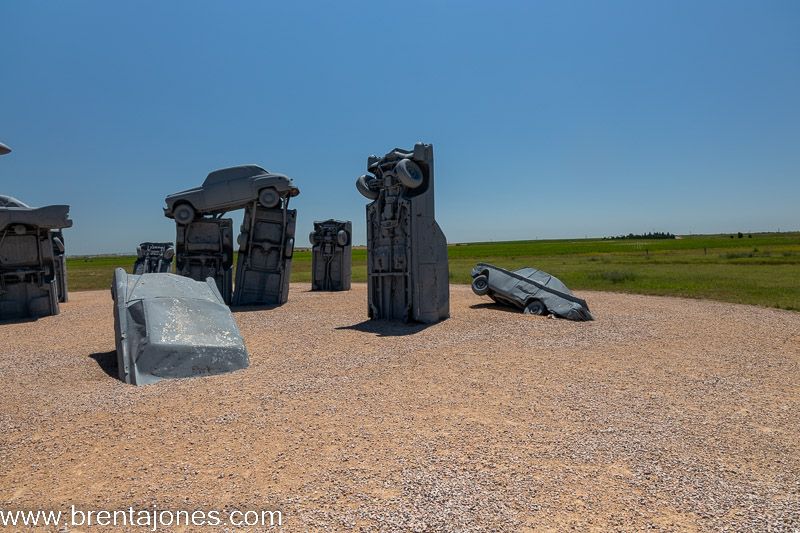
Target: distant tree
(648,235)
(739,235)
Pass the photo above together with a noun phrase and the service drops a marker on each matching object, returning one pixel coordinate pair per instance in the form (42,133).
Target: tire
(312,238)
(341,238)
(269,197)
(169,253)
(535,307)
(184,213)
(289,247)
(409,173)
(363,188)
(480,285)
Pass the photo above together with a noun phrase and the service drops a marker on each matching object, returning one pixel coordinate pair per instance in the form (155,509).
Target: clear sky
(557,119)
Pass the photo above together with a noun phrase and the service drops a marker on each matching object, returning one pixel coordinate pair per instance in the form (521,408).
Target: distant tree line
(650,235)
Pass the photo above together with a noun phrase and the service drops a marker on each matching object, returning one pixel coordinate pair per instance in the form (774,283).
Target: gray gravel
(664,413)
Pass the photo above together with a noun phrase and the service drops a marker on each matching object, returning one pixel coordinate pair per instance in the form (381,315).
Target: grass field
(763,269)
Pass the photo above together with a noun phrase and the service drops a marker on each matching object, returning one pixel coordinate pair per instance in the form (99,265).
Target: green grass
(762,270)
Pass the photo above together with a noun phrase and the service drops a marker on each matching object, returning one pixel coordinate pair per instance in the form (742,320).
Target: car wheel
(409,173)
(169,253)
(184,213)
(289,247)
(535,307)
(269,197)
(312,238)
(341,237)
(363,188)
(480,285)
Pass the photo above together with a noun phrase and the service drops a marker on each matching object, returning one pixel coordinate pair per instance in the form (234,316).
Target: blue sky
(549,120)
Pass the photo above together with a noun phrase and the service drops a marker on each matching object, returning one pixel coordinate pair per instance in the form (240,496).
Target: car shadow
(107,361)
(250,308)
(498,307)
(388,328)
(9,321)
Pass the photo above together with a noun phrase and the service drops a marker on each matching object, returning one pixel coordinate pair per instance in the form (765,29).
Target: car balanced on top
(229,189)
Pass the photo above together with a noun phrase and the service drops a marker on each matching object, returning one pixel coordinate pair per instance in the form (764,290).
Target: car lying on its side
(533,291)
(228,189)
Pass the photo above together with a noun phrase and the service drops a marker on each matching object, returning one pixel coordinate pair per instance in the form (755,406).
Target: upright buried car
(407,272)
(153,257)
(169,326)
(331,250)
(533,291)
(228,189)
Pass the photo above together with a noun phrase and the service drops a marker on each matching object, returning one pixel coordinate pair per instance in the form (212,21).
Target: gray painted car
(32,267)
(10,201)
(59,249)
(153,257)
(331,255)
(228,189)
(407,268)
(533,291)
(169,326)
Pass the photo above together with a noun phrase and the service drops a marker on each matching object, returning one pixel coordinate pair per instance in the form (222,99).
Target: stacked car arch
(204,239)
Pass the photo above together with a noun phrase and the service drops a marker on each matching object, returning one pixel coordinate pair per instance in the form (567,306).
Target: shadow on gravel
(108,362)
(248,308)
(9,321)
(498,307)
(387,328)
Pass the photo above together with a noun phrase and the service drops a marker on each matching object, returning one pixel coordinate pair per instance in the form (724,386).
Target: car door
(241,190)
(216,194)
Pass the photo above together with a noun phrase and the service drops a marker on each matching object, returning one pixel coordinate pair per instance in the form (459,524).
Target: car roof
(10,201)
(234,173)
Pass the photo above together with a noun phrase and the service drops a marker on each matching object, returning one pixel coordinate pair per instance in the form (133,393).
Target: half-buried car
(533,291)
(170,326)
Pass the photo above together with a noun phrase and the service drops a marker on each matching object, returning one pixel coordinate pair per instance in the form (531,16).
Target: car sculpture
(407,268)
(228,189)
(529,289)
(10,201)
(331,251)
(59,249)
(32,267)
(153,257)
(170,326)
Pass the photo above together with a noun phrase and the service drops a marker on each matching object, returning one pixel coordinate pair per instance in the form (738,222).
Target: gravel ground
(664,413)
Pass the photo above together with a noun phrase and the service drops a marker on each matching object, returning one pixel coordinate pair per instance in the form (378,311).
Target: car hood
(182,193)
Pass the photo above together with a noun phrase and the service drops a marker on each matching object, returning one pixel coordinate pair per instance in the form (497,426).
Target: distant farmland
(762,270)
